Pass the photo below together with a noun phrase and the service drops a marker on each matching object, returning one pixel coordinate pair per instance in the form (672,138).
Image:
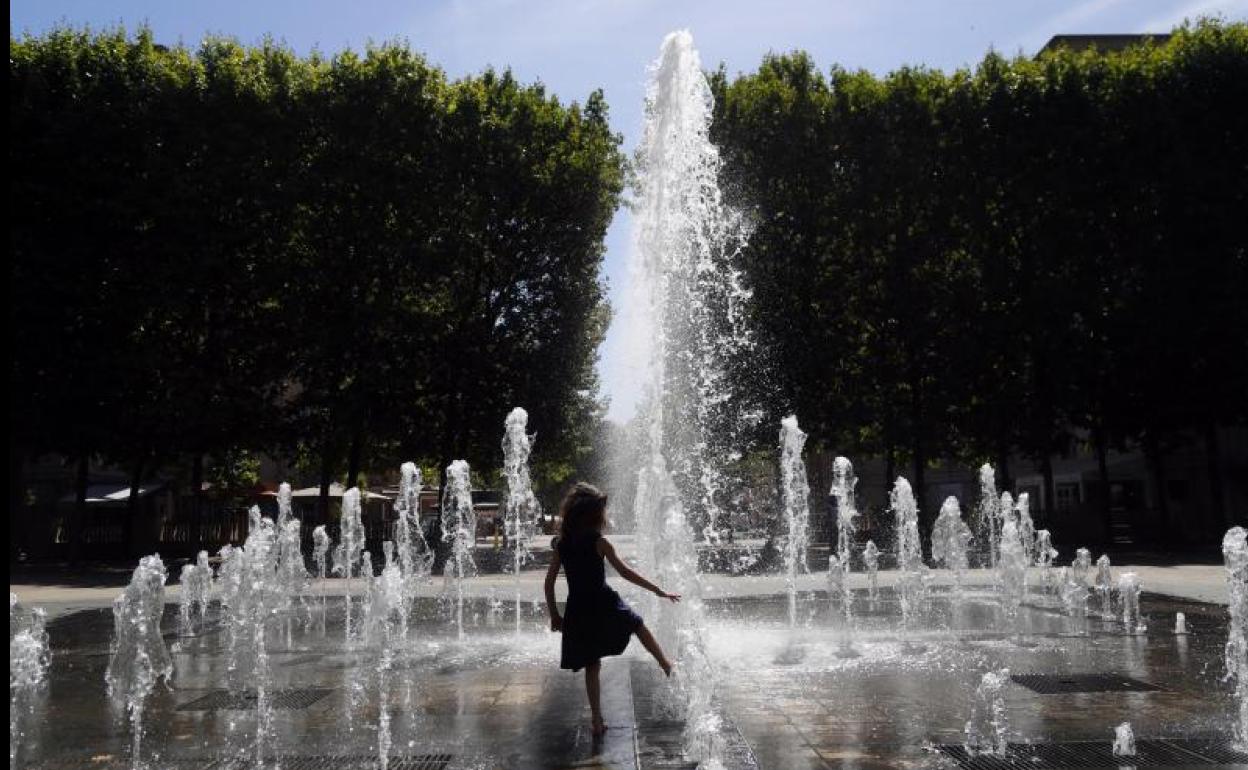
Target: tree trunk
(196,535)
(1102,468)
(1157,469)
(133,508)
(1218,516)
(19,516)
(1004,482)
(353,459)
(1046,470)
(327,474)
(78,519)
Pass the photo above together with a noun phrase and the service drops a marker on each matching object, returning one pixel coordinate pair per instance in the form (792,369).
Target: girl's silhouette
(596,621)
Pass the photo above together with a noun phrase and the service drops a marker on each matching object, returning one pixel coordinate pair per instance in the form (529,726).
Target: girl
(596,621)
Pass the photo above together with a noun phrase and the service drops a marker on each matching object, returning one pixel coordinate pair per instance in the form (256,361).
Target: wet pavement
(790,698)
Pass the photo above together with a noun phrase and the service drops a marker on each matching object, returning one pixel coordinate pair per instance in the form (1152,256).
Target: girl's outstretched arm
(607,550)
(552,574)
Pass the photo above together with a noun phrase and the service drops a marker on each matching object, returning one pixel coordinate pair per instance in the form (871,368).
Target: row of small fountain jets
(264,589)
(1014,549)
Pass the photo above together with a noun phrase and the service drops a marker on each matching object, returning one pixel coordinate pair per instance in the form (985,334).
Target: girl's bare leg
(592,690)
(652,646)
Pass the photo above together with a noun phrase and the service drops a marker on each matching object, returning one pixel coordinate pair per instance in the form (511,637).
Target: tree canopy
(348,259)
(1002,260)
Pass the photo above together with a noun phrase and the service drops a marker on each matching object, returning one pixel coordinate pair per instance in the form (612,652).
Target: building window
(1067,497)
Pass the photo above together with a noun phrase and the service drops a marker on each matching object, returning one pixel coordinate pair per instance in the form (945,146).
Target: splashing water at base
(987,729)
(950,539)
(1124,740)
(195,580)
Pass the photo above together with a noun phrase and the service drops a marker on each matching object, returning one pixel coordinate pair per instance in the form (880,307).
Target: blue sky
(574,47)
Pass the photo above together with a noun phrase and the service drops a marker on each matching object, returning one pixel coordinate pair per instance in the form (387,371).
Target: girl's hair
(583,508)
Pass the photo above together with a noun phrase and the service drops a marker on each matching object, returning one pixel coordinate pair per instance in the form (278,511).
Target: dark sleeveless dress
(596,621)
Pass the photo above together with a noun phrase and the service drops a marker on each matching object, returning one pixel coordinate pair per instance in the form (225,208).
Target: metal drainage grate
(1058,756)
(299,660)
(1052,684)
(344,762)
(224,700)
(321,762)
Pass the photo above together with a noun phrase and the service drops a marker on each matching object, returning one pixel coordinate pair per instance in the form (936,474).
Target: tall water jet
(412,549)
(459,528)
(1105,587)
(795,494)
(29,657)
(987,729)
(195,582)
(871,560)
(521,509)
(843,484)
(950,539)
(911,578)
(350,546)
(988,513)
(138,658)
(685,318)
(1235,556)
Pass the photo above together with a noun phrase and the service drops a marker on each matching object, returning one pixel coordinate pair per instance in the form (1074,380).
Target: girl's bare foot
(666,665)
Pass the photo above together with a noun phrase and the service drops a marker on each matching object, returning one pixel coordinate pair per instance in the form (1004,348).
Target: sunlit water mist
(685,319)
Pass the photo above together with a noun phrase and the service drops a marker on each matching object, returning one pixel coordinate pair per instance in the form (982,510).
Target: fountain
(521,507)
(1081,567)
(795,493)
(1180,624)
(988,513)
(950,539)
(292,574)
(138,658)
(412,549)
(28,668)
(1012,567)
(195,580)
(1074,597)
(1124,741)
(911,578)
(1105,587)
(871,559)
(987,730)
(1129,593)
(843,484)
(350,546)
(1026,527)
(459,528)
(320,557)
(1045,554)
(385,630)
(1235,556)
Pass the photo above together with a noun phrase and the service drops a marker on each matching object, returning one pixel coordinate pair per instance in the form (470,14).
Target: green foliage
(963,265)
(237,248)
